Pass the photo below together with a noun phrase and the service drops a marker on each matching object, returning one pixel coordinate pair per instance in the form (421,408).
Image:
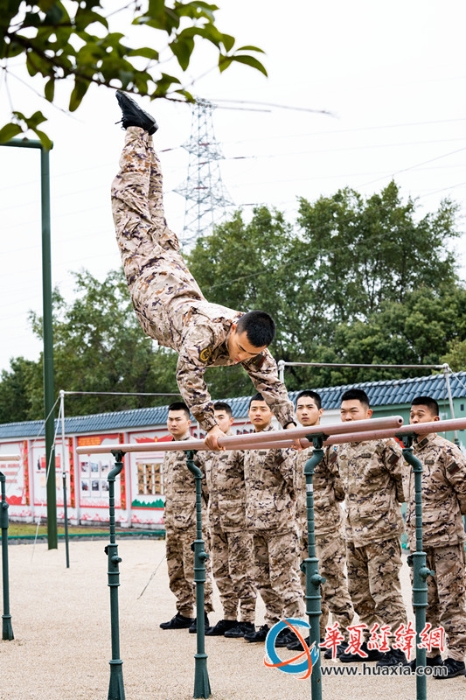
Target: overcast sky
(393,73)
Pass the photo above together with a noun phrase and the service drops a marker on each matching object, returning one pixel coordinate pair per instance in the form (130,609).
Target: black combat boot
(221,627)
(133,115)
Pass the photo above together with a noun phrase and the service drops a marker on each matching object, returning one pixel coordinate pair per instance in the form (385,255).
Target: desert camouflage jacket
(371,473)
(202,345)
(180,489)
(328,492)
(227,490)
(443,492)
(270,489)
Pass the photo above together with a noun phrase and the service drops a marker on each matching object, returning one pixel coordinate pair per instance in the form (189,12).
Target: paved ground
(62,638)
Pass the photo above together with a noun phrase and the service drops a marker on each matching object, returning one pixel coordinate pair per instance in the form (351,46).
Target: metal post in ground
(418,561)
(63,473)
(311,566)
(116,690)
(47,333)
(201,676)
(7,629)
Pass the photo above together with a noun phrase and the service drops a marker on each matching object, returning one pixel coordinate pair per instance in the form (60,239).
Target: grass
(18,529)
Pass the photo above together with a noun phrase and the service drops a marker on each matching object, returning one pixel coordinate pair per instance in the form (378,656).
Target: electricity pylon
(204,192)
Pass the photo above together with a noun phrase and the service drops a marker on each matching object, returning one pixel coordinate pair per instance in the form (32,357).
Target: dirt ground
(62,645)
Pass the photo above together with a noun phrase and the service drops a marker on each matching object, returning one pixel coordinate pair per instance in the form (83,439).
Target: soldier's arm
(286,462)
(331,463)
(393,460)
(200,460)
(455,471)
(192,363)
(263,372)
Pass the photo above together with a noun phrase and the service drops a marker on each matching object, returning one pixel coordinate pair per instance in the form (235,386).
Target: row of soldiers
(256,529)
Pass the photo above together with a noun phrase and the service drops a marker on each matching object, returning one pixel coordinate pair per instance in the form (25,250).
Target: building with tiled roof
(140,496)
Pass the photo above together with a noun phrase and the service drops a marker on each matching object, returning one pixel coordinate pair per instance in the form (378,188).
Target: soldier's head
(223,415)
(309,408)
(259,413)
(178,420)
(250,336)
(424,409)
(355,405)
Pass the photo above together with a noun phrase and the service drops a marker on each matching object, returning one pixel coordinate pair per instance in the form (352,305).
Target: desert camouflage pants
(276,574)
(157,276)
(446,596)
(232,569)
(180,562)
(331,552)
(374,582)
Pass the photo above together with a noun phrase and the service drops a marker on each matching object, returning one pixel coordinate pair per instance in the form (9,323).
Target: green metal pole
(420,571)
(7,629)
(201,676)
(116,690)
(311,566)
(52,534)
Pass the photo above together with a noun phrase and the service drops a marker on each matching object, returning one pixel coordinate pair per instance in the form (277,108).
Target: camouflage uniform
(180,527)
(167,299)
(329,539)
(231,544)
(443,501)
(371,473)
(271,517)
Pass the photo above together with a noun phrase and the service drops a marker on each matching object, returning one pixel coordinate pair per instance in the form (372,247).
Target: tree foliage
(357,280)
(98,347)
(75,41)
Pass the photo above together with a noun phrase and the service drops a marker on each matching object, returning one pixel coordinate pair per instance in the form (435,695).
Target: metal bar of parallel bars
(253,440)
(353,431)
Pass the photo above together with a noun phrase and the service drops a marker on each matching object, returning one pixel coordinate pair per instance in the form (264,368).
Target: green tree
(15,390)
(367,251)
(99,346)
(74,41)
(357,280)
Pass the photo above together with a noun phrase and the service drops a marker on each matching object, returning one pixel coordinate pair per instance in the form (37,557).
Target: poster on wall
(39,472)
(15,485)
(93,471)
(146,471)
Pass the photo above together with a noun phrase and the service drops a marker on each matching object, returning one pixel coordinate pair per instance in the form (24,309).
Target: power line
(347,131)
(412,167)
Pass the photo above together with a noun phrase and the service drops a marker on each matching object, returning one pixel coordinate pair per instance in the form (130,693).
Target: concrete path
(61,650)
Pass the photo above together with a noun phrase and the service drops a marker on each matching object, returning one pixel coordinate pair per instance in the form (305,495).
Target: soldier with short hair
(230,542)
(329,539)
(443,503)
(180,524)
(271,518)
(371,473)
(167,299)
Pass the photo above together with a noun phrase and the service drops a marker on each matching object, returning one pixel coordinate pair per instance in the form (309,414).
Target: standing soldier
(330,543)
(231,543)
(180,525)
(371,473)
(271,517)
(443,502)
(167,299)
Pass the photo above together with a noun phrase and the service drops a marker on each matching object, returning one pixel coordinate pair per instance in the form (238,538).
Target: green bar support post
(311,566)
(116,690)
(418,561)
(7,629)
(52,531)
(201,675)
